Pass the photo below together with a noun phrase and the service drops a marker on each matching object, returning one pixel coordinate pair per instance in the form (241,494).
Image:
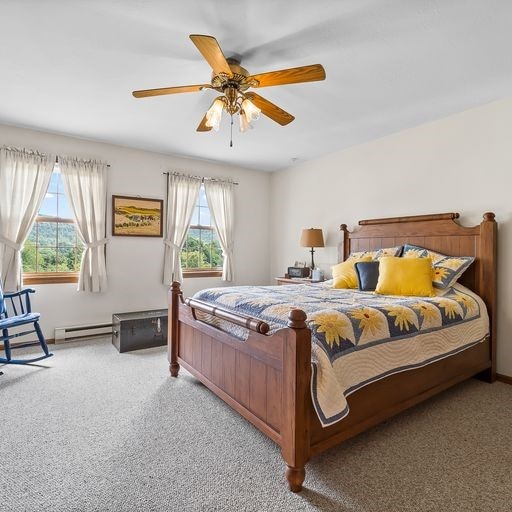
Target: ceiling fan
(232,80)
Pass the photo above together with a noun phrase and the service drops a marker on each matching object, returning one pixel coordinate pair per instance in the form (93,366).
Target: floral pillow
(388,251)
(376,254)
(447,269)
(358,256)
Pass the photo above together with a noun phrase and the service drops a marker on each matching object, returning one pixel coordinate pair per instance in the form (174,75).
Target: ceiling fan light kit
(232,80)
(232,104)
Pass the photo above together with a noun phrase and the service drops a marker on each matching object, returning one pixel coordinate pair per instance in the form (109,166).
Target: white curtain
(221,201)
(85,183)
(24,179)
(182,197)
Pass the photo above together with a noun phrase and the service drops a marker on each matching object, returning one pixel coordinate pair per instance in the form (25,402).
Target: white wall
(462,163)
(134,264)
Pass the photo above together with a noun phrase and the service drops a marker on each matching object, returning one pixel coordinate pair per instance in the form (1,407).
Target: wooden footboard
(265,378)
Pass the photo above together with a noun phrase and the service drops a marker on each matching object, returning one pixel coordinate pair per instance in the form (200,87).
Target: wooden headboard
(442,233)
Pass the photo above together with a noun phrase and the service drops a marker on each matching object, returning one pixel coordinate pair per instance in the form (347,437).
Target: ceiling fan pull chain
(231,136)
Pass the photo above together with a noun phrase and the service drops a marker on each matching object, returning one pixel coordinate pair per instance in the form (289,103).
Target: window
(201,255)
(53,249)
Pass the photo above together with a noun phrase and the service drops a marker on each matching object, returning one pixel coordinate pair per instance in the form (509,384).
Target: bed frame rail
(251,323)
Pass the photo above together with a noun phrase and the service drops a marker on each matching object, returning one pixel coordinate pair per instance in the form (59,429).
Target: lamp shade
(312,237)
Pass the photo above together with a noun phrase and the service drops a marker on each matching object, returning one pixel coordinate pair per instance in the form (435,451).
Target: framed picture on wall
(137,216)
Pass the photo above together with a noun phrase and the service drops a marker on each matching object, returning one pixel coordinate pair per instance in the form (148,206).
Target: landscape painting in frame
(136,216)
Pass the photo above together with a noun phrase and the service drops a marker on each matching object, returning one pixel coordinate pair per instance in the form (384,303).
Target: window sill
(202,273)
(50,278)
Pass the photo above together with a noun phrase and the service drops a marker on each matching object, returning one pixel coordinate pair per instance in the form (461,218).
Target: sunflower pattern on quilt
(351,328)
(380,321)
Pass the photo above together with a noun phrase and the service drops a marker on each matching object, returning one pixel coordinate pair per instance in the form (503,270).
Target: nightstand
(293,280)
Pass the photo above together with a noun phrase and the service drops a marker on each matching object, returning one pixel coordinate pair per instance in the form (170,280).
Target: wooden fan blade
(289,76)
(202,126)
(170,90)
(210,49)
(275,113)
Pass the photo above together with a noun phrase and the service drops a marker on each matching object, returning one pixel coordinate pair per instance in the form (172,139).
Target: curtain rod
(57,161)
(202,178)
(32,151)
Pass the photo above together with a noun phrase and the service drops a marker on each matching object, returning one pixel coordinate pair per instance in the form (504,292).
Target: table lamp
(312,237)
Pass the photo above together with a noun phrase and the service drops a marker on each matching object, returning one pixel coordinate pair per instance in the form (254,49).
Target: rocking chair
(21,315)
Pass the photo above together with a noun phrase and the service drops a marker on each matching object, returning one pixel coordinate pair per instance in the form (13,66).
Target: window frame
(51,277)
(202,272)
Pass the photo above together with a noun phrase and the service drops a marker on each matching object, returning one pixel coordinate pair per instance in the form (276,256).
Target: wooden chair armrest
(10,295)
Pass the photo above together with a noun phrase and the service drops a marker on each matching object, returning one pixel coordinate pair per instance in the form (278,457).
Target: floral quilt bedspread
(359,337)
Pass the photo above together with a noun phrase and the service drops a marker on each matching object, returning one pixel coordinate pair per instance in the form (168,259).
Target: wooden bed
(267,378)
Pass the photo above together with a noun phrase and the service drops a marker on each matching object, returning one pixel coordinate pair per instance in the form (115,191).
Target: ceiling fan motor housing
(238,80)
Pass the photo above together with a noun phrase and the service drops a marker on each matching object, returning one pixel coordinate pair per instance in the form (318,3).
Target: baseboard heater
(76,332)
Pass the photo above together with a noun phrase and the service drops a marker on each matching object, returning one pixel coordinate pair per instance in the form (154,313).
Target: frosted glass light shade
(244,123)
(214,114)
(251,111)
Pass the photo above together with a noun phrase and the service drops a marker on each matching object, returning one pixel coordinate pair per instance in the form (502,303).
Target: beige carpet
(94,430)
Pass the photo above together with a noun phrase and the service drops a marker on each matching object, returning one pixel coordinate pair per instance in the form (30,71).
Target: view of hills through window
(202,248)
(53,244)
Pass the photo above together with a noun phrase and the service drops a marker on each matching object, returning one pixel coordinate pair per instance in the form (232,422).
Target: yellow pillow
(405,276)
(344,274)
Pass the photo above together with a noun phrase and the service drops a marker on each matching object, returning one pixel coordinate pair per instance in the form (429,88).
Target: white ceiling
(70,66)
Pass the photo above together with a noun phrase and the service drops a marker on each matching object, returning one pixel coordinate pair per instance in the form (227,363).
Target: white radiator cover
(74,332)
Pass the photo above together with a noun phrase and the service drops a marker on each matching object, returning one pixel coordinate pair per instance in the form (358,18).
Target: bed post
(295,430)
(173,334)
(487,284)
(344,245)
